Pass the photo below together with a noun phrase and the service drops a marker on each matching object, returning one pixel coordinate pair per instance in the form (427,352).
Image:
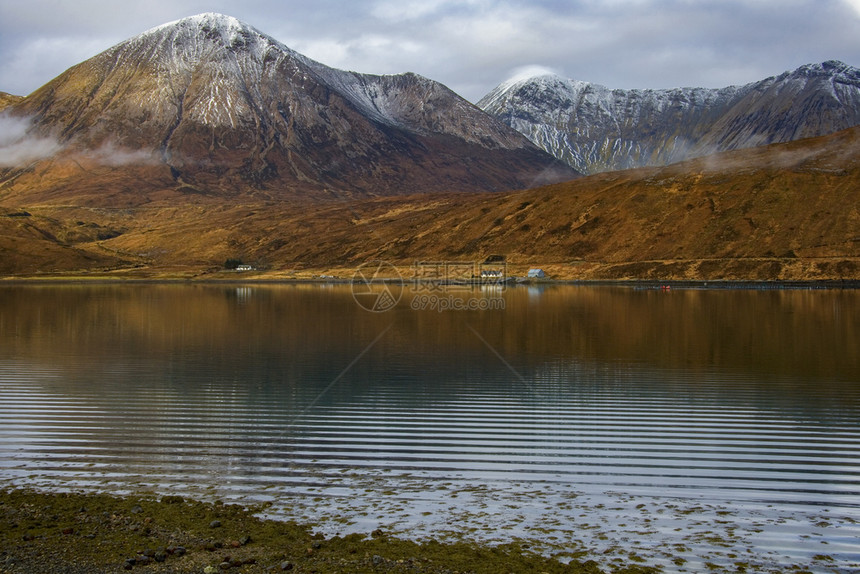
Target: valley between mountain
(780,212)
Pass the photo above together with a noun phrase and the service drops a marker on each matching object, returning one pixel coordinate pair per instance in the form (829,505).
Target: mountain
(204,140)
(208,104)
(593,128)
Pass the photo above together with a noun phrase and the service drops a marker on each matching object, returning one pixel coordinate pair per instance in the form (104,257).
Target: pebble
(210,570)
(136,509)
(286,566)
(215,524)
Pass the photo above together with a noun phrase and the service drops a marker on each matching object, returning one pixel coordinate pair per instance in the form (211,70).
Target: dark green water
(682,427)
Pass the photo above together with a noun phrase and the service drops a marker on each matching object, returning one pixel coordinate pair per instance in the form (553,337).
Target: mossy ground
(81,533)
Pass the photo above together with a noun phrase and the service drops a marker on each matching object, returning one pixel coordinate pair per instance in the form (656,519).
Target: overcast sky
(469,45)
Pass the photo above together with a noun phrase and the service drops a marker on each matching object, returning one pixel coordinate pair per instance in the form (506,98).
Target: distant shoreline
(251,279)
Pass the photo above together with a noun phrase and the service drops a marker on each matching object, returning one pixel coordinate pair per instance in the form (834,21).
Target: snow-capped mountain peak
(538,78)
(190,37)
(219,65)
(594,128)
(206,20)
(211,93)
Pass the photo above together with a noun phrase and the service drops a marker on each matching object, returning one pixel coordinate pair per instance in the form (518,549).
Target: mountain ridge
(223,107)
(594,128)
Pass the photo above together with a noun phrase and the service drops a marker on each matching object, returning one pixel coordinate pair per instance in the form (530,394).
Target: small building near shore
(244,268)
(536,274)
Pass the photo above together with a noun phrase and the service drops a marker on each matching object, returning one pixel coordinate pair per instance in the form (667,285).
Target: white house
(491,274)
(536,274)
(244,268)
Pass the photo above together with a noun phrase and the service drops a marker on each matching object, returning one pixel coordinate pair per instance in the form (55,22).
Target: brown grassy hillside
(787,211)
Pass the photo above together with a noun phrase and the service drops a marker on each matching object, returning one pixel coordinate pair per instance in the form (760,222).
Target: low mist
(18,148)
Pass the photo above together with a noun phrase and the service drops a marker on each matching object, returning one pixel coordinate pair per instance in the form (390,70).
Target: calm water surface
(680,428)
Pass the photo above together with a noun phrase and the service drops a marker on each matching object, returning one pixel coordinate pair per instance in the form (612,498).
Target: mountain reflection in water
(685,427)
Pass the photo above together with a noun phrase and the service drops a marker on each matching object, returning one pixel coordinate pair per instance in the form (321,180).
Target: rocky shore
(74,533)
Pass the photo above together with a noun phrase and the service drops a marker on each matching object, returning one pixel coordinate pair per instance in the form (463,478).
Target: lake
(677,428)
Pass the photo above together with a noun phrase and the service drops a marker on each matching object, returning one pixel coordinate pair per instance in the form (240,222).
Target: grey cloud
(472,45)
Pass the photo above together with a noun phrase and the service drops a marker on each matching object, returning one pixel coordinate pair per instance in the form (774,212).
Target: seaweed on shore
(83,533)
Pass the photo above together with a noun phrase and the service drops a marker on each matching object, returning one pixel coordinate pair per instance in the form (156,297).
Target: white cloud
(112,155)
(526,72)
(855,5)
(18,148)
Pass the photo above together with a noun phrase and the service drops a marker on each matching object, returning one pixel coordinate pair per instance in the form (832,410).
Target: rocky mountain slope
(593,128)
(219,107)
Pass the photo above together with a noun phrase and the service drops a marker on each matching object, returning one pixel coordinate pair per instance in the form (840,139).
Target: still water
(675,428)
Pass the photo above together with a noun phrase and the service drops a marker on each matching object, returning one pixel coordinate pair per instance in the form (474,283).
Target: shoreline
(715,284)
(82,533)
(754,272)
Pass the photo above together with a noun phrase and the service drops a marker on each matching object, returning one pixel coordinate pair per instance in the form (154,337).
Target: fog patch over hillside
(18,147)
(111,155)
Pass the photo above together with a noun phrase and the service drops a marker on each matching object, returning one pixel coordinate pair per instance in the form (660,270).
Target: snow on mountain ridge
(230,49)
(594,128)
(215,20)
(219,104)
(223,47)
